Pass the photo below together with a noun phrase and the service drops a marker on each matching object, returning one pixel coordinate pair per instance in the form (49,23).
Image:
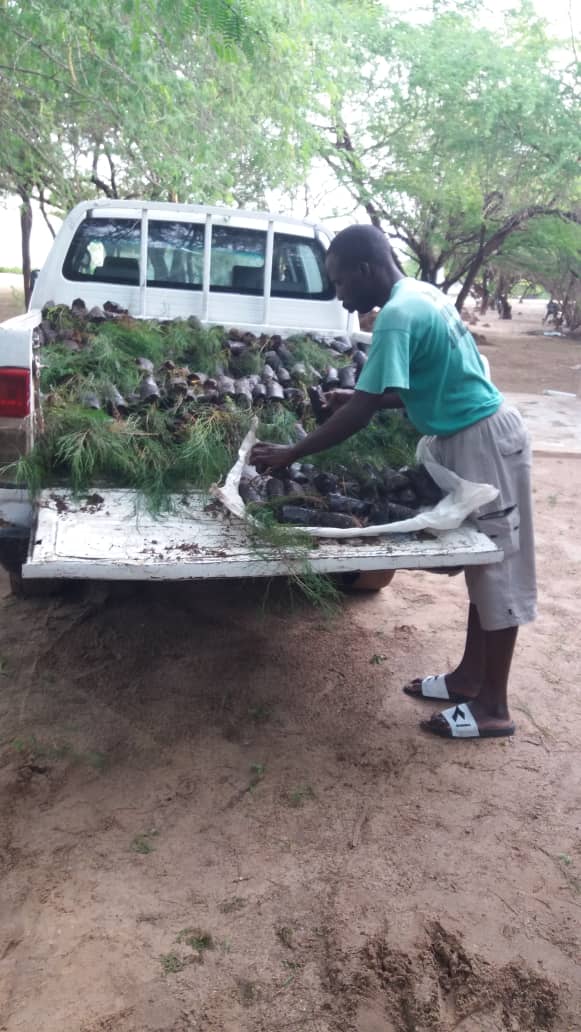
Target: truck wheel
(369,580)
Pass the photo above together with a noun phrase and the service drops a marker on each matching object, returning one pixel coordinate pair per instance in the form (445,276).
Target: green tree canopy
(171,99)
(548,252)
(456,135)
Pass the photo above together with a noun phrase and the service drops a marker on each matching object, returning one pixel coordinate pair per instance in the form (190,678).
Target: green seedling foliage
(137,339)
(318,590)
(388,440)
(277,424)
(85,448)
(174,446)
(142,843)
(58,366)
(196,938)
(267,535)
(171,963)
(306,350)
(246,363)
(201,349)
(60,317)
(158,449)
(209,446)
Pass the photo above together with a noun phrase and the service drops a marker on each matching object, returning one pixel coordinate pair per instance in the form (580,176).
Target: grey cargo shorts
(497,450)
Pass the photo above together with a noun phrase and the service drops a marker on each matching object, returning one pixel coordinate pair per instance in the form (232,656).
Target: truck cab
(170,261)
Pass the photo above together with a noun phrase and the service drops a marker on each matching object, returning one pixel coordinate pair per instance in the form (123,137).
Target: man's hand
(271,456)
(345,421)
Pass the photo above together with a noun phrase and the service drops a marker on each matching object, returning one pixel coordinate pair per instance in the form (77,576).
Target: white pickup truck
(251,270)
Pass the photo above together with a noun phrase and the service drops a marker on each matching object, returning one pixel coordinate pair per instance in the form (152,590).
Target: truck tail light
(14,393)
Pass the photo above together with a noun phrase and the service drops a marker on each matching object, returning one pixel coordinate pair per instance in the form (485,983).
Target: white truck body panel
(16,339)
(102,537)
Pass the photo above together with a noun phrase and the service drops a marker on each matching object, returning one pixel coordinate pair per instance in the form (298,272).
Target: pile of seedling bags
(162,406)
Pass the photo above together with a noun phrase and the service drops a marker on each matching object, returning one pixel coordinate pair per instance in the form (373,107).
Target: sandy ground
(216,815)
(524,360)
(11,295)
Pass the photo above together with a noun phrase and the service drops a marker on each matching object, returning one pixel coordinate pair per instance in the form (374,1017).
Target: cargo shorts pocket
(516,445)
(503,528)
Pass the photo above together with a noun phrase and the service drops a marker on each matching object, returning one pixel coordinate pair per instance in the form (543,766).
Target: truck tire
(369,580)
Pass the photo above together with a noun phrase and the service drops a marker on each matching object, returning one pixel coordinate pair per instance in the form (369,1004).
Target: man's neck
(385,293)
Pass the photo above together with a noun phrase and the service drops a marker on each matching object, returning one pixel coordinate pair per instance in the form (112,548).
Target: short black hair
(362,244)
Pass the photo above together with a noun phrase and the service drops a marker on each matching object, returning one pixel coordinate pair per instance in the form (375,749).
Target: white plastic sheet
(461,498)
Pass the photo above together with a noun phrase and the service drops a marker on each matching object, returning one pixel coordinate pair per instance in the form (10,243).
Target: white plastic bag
(229,495)
(461,498)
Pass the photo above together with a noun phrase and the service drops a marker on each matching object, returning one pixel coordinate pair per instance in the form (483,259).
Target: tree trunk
(502,291)
(485,297)
(504,307)
(25,233)
(428,269)
(468,283)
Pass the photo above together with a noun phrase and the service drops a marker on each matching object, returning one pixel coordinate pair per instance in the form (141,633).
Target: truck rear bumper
(104,537)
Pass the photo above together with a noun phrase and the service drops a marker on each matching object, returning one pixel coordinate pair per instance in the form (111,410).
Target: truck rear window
(108,250)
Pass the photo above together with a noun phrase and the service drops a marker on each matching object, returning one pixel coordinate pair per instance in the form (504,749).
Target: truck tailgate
(103,536)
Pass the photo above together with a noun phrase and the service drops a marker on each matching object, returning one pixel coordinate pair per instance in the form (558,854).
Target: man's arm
(391,400)
(339,397)
(345,422)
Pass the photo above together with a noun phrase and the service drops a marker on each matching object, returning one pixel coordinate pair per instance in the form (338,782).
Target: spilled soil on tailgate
(218,813)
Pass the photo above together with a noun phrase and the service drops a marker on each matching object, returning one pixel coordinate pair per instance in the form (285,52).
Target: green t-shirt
(422,349)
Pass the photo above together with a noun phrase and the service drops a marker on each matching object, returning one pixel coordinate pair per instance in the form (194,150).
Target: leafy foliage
(389,440)
(456,135)
(548,252)
(205,100)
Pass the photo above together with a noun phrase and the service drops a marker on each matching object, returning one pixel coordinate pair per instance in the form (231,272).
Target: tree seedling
(171,963)
(142,844)
(196,938)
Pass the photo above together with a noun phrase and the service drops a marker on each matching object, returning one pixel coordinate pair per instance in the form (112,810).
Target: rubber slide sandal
(459,722)
(434,687)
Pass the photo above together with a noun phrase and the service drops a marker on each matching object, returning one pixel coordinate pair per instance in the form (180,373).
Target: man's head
(362,267)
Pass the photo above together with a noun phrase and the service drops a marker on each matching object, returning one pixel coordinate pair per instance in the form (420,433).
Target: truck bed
(102,537)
